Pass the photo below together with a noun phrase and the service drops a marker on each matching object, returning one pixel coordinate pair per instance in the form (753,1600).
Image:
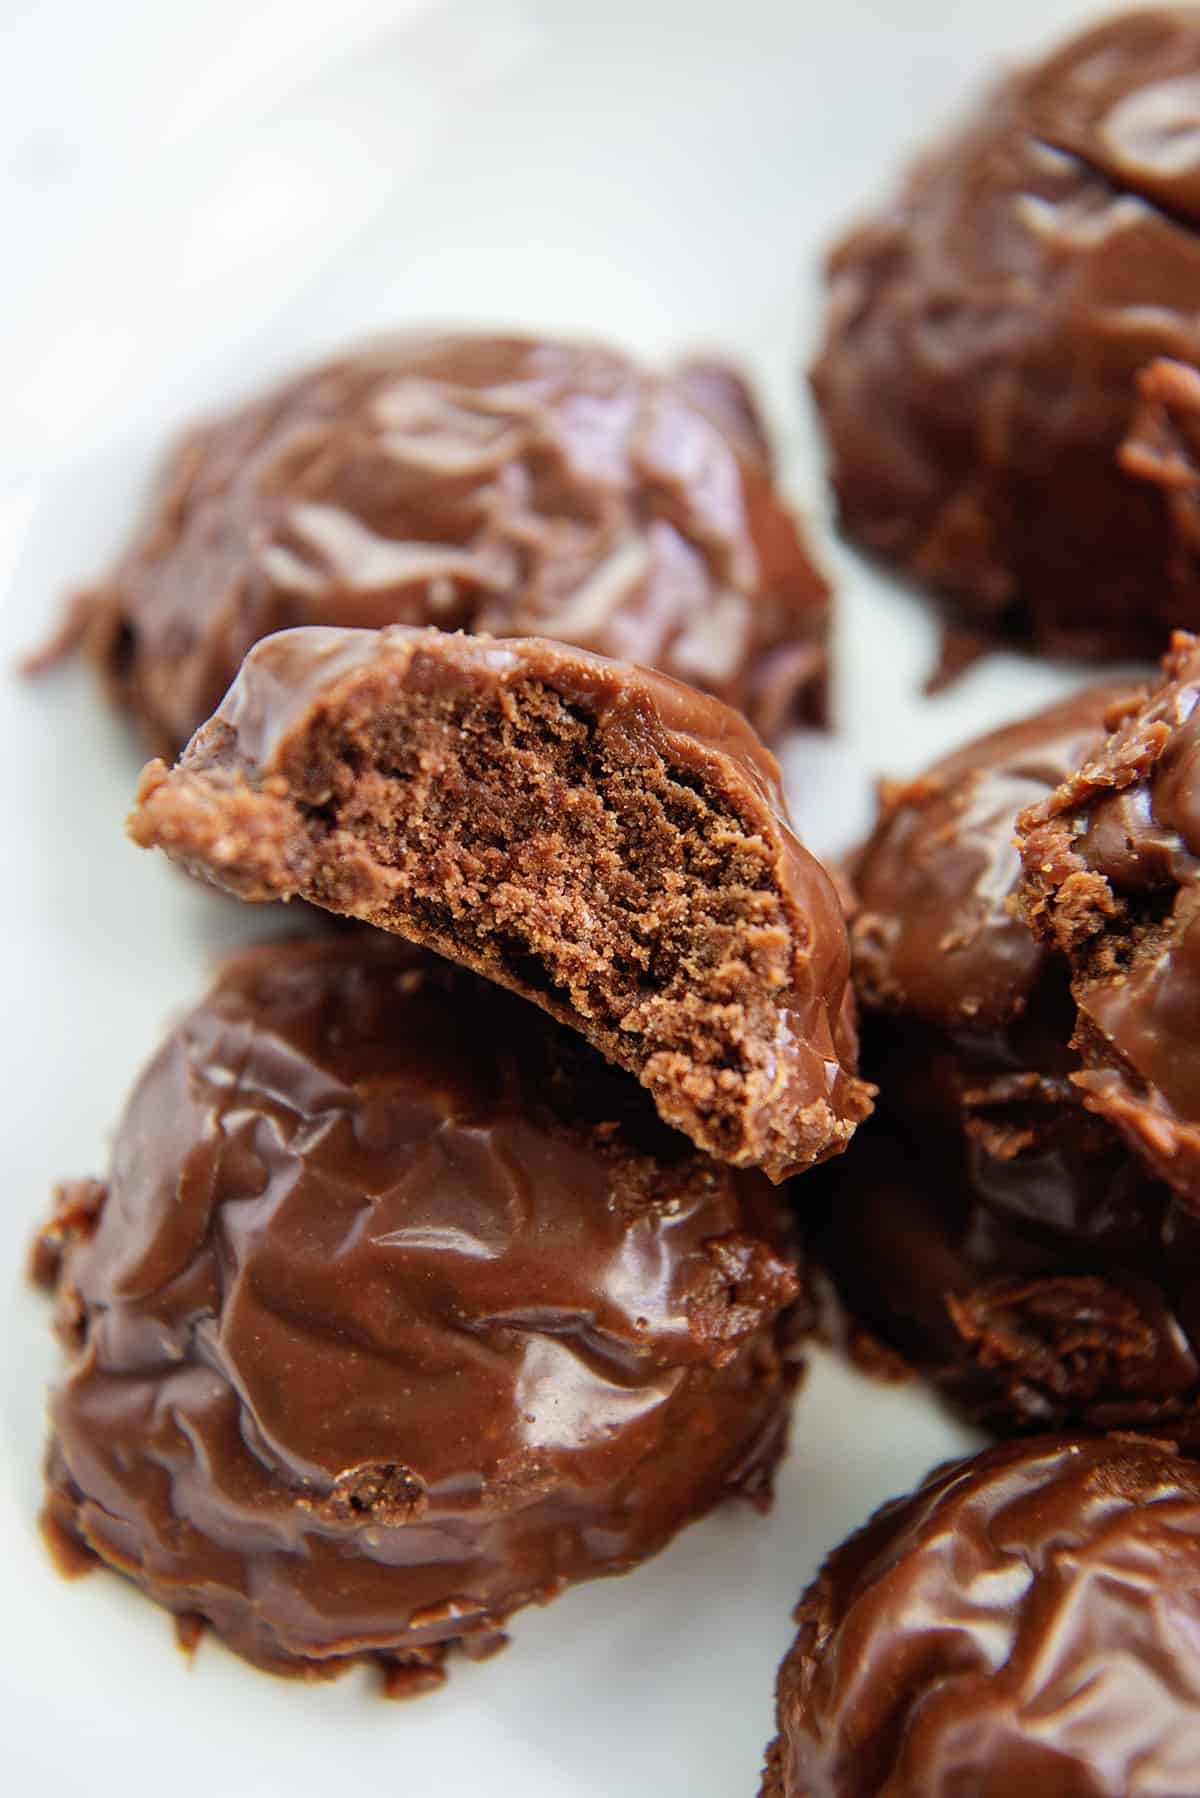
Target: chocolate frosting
(1006,1244)
(401,1309)
(1113,865)
(936,937)
(501,485)
(986,331)
(1025,1621)
(1163,446)
(988,1227)
(419,780)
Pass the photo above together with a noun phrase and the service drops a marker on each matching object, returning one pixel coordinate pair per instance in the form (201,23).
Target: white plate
(194,199)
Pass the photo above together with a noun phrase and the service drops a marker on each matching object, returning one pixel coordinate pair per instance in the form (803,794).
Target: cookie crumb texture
(401,1309)
(1112,878)
(609,843)
(985,338)
(490,484)
(1024,1622)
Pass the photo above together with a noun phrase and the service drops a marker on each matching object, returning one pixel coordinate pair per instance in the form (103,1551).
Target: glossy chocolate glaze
(501,485)
(1112,861)
(987,1226)
(750,1019)
(1007,1245)
(935,937)
(985,335)
(400,1309)
(1024,1622)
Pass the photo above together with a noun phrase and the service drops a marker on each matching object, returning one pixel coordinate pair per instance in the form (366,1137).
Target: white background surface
(193,199)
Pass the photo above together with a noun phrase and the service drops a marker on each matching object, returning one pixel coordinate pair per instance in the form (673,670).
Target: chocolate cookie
(400,1309)
(501,485)
(1024,1622)
(1112,861)
(985,336)
(988,1226)
(608,842)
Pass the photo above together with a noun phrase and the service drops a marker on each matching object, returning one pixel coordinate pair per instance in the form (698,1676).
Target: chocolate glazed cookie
(400,1309)
(494,484)
(1024,1622)
(985,336)
(606,841)
(1112,877)
(989,1225)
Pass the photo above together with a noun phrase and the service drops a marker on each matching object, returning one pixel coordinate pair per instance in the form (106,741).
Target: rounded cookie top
(607,841)
(400,1309)
(1025,1621)
(986,331)
(497,484)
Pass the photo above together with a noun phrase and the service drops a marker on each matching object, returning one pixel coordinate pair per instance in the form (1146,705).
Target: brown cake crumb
(603,840)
